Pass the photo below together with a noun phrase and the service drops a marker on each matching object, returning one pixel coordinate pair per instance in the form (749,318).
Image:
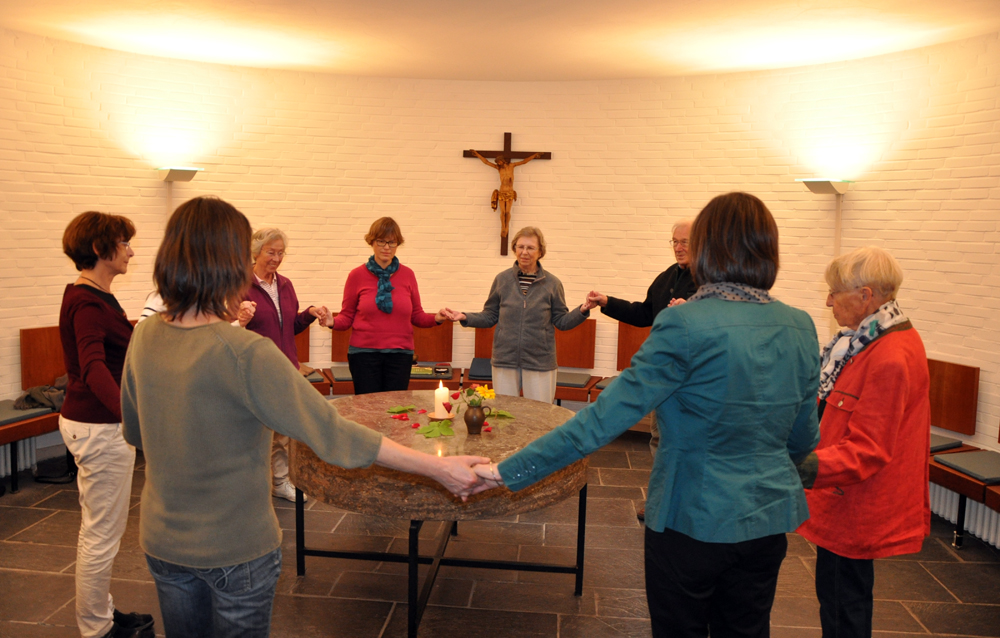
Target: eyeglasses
(527,249)
(272,254)
(679,242)
(381,243)
(125,244)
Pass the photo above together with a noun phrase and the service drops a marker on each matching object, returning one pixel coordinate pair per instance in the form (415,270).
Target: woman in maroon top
(382,304)
(95,334)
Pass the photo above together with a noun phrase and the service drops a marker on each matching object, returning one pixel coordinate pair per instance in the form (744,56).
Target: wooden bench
(429,344)
(574,349)
(954,396)
(41,363)
(630,339)
(322,384)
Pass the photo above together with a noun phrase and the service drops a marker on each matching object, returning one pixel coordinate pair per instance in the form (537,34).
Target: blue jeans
(224,602)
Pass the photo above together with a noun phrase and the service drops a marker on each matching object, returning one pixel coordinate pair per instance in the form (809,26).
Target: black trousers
(379,371)
(844,588)
(692,586)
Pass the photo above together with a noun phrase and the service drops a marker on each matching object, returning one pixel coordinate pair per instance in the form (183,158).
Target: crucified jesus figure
(505,195)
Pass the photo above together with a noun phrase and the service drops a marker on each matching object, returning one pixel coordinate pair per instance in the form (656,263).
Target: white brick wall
(322,156)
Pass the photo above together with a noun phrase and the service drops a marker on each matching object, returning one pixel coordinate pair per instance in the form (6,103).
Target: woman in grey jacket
(526,304)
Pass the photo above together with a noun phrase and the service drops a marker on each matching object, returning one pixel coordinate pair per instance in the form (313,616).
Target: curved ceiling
(512,40)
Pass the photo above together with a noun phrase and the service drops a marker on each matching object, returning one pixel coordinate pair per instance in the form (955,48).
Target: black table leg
(581,526)
(414,611)
(300,533)
(960,523)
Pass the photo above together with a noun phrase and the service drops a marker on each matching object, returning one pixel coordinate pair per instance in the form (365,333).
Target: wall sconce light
(179,173)
(837,187)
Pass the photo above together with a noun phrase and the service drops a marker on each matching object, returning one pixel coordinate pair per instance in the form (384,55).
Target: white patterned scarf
(847,343)
(732,292)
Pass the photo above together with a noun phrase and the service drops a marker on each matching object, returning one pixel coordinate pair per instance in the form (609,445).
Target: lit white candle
(440,398)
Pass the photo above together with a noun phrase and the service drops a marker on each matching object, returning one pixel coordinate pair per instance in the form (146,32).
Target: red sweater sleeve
(868,440)
(90,327)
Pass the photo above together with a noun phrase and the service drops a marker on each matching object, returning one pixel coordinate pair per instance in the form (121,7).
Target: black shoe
(640,513)
(133,620)
(117,631)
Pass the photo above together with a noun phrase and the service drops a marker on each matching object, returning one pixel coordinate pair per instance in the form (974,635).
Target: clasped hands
(595,299)
(451,315)
(465,476)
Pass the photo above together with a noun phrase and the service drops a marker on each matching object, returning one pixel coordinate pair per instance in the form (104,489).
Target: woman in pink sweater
(382,304)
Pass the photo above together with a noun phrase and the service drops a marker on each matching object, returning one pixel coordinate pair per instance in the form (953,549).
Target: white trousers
(540,386)
(279,458)
(105,464)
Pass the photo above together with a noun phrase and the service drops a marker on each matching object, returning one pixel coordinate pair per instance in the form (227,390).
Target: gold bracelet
(496,478)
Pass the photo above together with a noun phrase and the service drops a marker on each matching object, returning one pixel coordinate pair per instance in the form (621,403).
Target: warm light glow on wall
(206,40)
(781,41)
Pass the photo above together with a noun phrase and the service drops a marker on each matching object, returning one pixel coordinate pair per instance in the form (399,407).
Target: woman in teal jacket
(732,375)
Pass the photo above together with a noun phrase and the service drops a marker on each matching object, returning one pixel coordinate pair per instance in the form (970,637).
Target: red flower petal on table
(486,424)
(487,428)
(475,385)
(421,411)
(415,425)
(403,417)
(447,406)
(455,395)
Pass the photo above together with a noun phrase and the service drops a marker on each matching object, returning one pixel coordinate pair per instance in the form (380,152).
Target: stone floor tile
(532,597)
(795,611)
(33,597)
(953,618)
(61,528)
(615,491)
(451,622)
(609,458)
(641,460)
(566,511)
(14,520)
(312,617)
(498,532)
(796,632)
(596,536)
(799,546)
(624,478)
(61,500)
(316,521)
(371,586)
(601,567)
(10,629)
(600,627)
(971,583)
(904,580)
(621,603)
(630,441)
(38,558)
(890,615)
(794,579)
(934,549)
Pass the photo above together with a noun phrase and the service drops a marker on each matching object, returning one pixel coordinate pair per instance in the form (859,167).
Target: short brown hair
(530,231)
(384,228)
(92,236)
(204,261)
(735,239)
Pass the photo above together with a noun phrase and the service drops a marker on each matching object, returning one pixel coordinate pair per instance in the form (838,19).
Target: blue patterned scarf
(847,343)
(383,299)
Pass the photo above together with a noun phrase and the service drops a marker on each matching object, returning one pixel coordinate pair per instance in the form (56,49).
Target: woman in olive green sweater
(200,398)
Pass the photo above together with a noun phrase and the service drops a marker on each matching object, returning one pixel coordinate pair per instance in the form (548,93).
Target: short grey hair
(681,224)
(266,236)
(866,266)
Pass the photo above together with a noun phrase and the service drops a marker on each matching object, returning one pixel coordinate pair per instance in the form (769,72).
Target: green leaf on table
(434,429)
(502,414)
(399,409)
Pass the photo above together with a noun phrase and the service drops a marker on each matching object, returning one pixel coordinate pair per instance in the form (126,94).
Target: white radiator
(980,521)
(25,456)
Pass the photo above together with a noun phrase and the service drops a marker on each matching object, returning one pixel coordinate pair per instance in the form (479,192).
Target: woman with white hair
(276,315)
(869,496)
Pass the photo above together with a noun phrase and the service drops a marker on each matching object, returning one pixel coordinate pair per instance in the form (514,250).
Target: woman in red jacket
(870,495)
(382,304)
(95,334)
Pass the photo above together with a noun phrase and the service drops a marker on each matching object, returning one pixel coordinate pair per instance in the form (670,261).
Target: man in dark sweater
(670,288)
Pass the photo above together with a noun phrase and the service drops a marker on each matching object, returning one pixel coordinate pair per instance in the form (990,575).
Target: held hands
(594,299)
(246,312)
(453,315)
(441,316)
(676,302)
(457,474)
(489,475)
(322,313)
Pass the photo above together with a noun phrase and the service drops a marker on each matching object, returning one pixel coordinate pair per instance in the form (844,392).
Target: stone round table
(380,491)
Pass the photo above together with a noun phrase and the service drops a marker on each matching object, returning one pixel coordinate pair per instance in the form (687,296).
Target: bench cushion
(481,369)
(341,373)
(983,465)
(604,383)
(572,379)
(9,414)
(941,443)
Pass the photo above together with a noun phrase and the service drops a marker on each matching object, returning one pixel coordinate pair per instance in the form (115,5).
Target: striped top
(525,280)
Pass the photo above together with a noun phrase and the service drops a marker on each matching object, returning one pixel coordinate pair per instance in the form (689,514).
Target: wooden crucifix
(505,196)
